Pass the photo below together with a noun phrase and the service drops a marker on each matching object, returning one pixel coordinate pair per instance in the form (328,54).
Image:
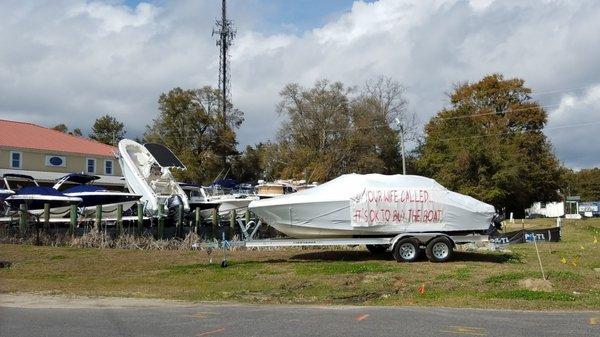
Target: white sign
(389,206)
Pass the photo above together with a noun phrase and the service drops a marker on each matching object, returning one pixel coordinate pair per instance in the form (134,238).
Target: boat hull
(59,206)
(226,205)
(109,211)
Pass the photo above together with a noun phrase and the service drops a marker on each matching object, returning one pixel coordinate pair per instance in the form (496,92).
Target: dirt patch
(536,284)
(81,302)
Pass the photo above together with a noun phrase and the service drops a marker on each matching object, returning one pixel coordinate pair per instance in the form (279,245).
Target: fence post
(22,219)
(247,216)
(161,221)
(140,219)
(73,222)
(120,219)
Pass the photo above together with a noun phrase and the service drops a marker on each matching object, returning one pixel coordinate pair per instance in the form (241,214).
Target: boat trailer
(405,247)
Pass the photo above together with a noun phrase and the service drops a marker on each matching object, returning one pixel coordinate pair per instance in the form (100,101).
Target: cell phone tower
(225,33)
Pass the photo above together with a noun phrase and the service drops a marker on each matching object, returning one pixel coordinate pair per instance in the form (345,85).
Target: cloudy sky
(70,61)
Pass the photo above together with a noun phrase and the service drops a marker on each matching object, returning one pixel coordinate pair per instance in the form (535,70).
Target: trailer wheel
(439,249)
(406,250)
(377,249)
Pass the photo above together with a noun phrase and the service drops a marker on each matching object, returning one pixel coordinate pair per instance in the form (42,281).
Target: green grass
(524,294)
(313,276)
(335,268)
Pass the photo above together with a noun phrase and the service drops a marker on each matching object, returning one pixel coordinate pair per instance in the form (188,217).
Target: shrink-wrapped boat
(355,205)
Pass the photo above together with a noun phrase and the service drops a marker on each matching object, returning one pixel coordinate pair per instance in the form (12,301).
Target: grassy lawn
(490,280)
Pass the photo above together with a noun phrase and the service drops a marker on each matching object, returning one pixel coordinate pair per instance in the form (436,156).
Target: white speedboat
(198,198)
(374,205)
(93,195)
(27,191)
(230,199)
(265,190)
(147,171)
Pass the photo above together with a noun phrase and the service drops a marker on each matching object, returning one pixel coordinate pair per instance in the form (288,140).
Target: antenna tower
(225,33)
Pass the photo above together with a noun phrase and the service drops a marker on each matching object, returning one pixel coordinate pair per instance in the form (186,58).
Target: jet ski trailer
(398,214)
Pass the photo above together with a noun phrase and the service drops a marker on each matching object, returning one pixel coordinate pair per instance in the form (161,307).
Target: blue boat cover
(224,183)
(84,188)
(41,190)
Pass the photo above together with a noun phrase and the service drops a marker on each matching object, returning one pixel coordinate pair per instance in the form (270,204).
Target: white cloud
(72,60)
(573,128)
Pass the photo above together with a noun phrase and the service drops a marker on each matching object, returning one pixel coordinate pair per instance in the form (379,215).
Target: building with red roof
(47,154)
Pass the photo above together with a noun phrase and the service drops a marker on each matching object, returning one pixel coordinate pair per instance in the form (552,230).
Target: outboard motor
(172,204)
(497,221)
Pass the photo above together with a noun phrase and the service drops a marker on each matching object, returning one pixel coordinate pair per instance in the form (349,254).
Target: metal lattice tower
(225,33)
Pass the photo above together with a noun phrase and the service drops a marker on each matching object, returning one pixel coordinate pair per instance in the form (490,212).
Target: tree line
(487,142)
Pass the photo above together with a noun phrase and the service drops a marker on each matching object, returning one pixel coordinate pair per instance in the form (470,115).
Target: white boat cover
(362,204)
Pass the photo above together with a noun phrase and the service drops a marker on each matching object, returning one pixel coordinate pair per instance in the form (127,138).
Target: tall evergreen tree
(108,130)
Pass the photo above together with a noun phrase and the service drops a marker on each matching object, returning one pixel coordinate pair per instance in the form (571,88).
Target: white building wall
(550,209)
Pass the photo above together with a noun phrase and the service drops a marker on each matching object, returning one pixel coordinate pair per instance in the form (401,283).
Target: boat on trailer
(399,214)
(93,195)
(147,171)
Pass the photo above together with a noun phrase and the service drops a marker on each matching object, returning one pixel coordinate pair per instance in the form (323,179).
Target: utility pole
(225,33)
(402,145)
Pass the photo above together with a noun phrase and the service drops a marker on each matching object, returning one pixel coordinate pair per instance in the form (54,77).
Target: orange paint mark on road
(210,332)
(361,317)
(594,320)
(466,330)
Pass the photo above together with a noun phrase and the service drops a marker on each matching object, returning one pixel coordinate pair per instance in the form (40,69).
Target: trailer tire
(377,249)
(406,250)
(439,249)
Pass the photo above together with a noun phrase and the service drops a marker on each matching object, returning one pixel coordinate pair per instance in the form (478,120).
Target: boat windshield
(15,182)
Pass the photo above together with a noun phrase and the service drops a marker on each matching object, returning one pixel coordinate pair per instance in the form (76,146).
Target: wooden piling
(120,219)
(232,218)
(214,222)
(47,216)
(140,218)
(73,222)
(23,219)
(161,221)
(198,220)
(98,222)
(179,222)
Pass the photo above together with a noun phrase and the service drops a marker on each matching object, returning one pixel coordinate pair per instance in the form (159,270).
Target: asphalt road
(139,318)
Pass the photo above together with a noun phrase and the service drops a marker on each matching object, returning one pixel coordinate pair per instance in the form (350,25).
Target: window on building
(108,167)
(15,159)
(91,165)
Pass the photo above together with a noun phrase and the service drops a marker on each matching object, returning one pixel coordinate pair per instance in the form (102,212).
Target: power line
(497,112)
(518,131)
(565,89)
